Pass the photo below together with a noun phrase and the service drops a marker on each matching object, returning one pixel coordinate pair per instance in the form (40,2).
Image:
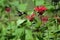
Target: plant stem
(34,2)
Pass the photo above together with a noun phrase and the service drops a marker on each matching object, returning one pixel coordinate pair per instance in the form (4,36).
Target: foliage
(14,27)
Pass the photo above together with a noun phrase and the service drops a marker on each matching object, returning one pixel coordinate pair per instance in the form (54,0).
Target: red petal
(33,15)
(36,8)
(42,8)
(45,19)
(29,17)
(7,9)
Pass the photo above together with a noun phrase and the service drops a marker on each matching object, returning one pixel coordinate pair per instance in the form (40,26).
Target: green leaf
(1,1)
(28,35)
(2,38)
(12,25)
(22,7)
(20,21)
(37,38)
(28,23)
(39,2)
(30,12)
(19,32)
(50,7)
(15,3)
(59,27)
(30,5)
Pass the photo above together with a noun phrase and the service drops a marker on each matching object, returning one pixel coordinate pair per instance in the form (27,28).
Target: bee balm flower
(30,17)
(40,9)
(44,19)
(7,9)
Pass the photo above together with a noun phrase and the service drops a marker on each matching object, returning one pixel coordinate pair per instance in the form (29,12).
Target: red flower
(7,9)
(30,17)
(36,8)
(40,9)
(33,15)
(44,19)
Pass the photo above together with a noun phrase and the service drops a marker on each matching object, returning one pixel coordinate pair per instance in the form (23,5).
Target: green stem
(34,2)
(48,33)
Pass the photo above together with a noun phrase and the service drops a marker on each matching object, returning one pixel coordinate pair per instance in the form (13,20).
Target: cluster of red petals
(7,9)
(30,17)
(40,9)
(44,19)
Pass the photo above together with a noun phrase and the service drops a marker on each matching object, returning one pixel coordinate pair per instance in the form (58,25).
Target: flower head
(33,15)
(40,9)
(30,17)
(44,19)
(7,9)
(36,8)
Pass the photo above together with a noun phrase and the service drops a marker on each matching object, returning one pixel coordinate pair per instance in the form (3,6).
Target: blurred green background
(14,27)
